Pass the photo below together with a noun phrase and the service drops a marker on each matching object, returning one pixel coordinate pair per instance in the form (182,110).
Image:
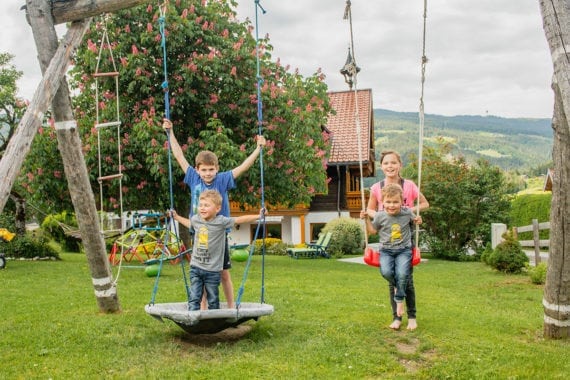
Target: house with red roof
(351,158)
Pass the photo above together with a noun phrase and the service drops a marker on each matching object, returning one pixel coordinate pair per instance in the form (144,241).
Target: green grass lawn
(330,322)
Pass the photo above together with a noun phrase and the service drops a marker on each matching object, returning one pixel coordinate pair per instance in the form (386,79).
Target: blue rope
(170,225)
(260,131)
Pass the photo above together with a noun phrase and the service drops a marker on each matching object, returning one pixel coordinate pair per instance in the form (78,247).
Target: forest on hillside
(509,143)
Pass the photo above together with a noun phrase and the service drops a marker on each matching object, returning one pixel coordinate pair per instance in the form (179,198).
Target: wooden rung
(109,124)
(109,74)
(108,177)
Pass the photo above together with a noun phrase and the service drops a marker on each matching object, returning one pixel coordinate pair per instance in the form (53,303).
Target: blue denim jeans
(202,280)
(396,267)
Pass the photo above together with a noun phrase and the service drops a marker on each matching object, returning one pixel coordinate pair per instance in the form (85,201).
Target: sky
(485,57)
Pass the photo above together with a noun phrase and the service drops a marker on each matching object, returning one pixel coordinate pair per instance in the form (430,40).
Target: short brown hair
(393,190)
(206,157)
(212,195)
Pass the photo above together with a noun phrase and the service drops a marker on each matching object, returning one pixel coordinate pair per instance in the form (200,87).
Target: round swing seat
(207,321)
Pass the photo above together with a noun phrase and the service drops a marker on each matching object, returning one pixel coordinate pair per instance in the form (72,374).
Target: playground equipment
(148,241)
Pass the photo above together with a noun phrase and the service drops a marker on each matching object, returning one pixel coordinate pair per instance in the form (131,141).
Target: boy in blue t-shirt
(206,176)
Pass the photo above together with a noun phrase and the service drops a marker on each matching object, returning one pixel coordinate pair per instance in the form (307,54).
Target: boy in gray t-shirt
(393,227)
(208,249)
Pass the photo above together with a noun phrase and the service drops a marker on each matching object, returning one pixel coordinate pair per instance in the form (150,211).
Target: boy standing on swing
(210,242)
(206,176)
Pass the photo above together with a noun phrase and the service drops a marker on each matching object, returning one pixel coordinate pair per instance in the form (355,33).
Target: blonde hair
(212,195)
(206,157)
(393,190)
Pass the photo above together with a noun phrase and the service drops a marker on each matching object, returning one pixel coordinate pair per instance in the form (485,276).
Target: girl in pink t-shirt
(391,163)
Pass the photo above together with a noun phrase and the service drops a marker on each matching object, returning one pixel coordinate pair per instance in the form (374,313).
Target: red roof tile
(345,130)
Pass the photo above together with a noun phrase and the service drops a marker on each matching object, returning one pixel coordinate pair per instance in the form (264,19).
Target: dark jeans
(395,267)
(410,299)
(202,280)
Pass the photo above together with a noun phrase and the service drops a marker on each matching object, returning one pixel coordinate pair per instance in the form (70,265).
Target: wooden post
(70,147)
(556,300)
(536,238)
(21,141)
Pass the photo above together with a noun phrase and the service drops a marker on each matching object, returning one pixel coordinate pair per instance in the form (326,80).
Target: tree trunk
(70,147)
(20,221)
(556,300)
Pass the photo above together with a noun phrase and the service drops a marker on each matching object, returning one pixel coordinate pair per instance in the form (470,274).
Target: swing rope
(261,221)
(421,119)
(170,225)
(354,72)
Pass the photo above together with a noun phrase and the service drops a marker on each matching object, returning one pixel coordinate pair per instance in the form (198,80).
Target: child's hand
(418,220)
(260,140)
(166,124)
(172,214)
(263,212)
(363,214)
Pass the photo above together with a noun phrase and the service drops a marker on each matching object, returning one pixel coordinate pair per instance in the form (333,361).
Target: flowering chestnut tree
(211,66)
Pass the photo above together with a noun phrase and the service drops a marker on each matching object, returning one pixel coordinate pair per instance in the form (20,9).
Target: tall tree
(212,78)
(464,200)
(11,106)
(556,300)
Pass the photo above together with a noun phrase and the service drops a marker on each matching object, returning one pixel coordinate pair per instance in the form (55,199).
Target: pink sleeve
(411,193)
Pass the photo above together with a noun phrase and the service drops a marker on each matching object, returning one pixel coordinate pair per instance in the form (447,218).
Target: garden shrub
(53,223)
(486,253)
(273,246)
(525,208)
(508,256)
(347,236)
(28,246)
(537,273)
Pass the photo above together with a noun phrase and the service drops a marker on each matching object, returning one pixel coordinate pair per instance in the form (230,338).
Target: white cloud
(484,56)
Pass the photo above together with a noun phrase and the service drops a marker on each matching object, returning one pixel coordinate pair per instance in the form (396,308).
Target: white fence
(498,229)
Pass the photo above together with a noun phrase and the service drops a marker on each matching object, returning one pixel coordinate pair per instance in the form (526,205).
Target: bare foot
(395,325)
(399,309)
(412,324)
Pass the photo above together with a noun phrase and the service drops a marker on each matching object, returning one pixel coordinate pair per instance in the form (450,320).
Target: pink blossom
(233,71)
(134,49)
(225,33)
(57,173)
(310,142)
(40,171)
(185,13)
(124,61)
(242,147)
(148,27)
(213,98)
(30,176)
(91,46)
(127,28)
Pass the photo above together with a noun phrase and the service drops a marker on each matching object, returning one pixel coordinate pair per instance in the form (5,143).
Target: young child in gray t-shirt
(395,235)
(208,249)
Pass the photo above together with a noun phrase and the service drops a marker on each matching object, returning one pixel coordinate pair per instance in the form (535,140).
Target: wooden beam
(21,141)
(66,11)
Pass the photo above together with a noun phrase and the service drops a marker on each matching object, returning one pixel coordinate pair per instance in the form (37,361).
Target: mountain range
(515,144)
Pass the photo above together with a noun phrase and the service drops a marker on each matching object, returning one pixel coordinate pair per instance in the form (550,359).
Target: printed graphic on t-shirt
(201,253)
(396,234)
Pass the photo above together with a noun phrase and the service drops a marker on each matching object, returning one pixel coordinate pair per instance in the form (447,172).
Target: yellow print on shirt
(396,233)
(203,238)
